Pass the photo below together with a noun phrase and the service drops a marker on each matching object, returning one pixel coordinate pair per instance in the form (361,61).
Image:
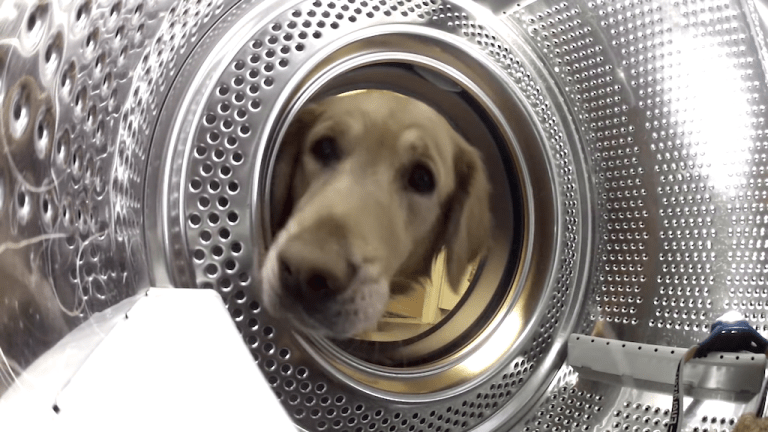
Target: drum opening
(433,321)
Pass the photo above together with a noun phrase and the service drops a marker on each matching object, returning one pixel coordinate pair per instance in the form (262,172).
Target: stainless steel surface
(70,171)
(723,376)
(627,150)
(241,98)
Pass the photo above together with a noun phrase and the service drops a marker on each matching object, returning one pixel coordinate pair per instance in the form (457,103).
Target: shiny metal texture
(626,143)
(72,171)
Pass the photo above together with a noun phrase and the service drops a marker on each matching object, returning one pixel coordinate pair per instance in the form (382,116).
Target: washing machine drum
(624,141)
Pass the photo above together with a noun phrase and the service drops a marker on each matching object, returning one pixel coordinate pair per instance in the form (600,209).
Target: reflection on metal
(626,141)
(73,155)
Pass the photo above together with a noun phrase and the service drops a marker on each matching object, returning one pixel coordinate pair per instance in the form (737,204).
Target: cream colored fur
(358,221)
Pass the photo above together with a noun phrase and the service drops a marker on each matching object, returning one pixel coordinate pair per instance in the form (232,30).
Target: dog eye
(421,179)
(326,151)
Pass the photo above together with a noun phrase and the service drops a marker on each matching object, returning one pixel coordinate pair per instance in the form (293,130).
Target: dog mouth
(321,306)
(339,317)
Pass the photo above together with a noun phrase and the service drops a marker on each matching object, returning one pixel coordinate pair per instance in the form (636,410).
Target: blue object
(730,333)
(732,337)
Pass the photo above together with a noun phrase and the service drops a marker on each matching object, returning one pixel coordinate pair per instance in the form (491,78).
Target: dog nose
(314,284)
(312,274)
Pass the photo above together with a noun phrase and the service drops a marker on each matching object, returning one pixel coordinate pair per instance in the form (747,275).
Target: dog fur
(356,217)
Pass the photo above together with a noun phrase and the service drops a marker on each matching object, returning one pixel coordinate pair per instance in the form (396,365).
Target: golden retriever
(368,187)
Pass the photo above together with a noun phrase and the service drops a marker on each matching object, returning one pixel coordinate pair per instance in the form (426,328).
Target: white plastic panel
(168,360)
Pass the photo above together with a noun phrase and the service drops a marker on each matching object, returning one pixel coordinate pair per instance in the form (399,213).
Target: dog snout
(316,284)
(313,272)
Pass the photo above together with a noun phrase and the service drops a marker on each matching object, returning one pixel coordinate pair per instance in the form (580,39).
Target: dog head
(367,188)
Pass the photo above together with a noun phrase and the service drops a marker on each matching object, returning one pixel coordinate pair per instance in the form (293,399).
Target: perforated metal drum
(625,143)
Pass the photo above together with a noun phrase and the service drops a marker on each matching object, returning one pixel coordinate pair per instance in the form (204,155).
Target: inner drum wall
(668,98)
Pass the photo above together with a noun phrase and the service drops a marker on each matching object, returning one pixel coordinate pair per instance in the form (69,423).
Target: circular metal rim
(445,95)
(548,350)
(445,377)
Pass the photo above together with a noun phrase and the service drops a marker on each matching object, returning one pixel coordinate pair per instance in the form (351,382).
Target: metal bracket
(724,376)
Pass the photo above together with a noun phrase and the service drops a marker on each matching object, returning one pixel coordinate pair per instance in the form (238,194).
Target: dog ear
(286,164)
(468,221)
